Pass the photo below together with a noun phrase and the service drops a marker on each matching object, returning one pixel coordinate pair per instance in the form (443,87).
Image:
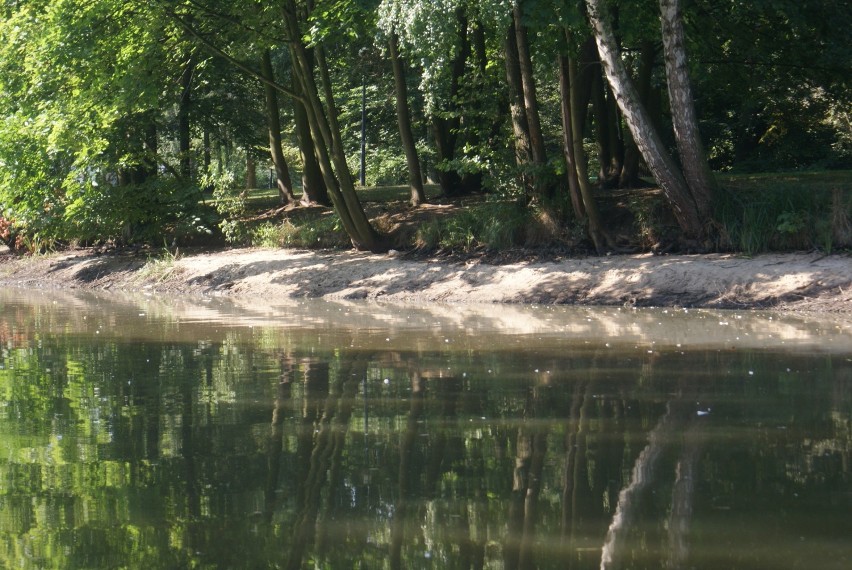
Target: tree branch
(186,26)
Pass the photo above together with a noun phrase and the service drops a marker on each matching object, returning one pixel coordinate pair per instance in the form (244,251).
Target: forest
(597,125)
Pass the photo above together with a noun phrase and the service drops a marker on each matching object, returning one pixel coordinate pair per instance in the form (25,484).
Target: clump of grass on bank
(492,225)
(159,267)
(315,229)
(785,212)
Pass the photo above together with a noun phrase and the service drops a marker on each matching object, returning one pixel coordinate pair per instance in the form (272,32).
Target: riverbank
(784,281)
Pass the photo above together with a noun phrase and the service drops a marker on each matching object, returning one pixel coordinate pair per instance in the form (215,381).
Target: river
(142,432)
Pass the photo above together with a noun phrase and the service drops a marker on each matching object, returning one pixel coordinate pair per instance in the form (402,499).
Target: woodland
(599,125)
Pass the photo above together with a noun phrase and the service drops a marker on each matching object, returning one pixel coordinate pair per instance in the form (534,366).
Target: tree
(415,177)
(80,148)
(282,171)
(689,145)
(582,199)
(327,137)
(322,117)
(648,140)
(529,103)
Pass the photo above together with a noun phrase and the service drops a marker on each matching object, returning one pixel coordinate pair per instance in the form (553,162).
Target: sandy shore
(789,281)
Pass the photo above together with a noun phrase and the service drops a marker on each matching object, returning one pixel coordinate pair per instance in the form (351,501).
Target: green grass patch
(316,229)
(492,225)
(785,211)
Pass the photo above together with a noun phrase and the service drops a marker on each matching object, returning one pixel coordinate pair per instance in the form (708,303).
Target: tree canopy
(123,119)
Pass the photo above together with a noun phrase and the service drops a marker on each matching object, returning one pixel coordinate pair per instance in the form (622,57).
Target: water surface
(143,433)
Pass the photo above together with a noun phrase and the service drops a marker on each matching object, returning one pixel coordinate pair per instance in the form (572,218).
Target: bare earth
(788,281)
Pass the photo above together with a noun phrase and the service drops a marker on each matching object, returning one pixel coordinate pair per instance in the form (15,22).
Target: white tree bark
(684,119)
(641,477)
(662,165)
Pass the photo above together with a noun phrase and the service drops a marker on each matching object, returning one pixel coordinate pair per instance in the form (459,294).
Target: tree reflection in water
(238,447)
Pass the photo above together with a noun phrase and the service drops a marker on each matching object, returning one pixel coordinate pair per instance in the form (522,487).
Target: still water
(141,433)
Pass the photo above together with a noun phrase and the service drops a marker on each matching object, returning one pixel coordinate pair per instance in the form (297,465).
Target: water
(140,433)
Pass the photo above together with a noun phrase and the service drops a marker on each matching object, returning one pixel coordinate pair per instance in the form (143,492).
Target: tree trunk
(689,146)
(582,199)
(273,121)
(251,170)
(541,186)
(580,91)
(520,127)
(601,126)
(205,140)
(415,178)
(629,177)
(313,185)
(647,139)
(445,129)
(445,143)
(568,138)
(184,106)
(610,146)
(616,159)
(151,150)
(327,141)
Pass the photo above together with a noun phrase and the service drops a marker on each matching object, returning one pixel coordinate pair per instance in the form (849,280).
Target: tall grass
(491,225)
(785,211)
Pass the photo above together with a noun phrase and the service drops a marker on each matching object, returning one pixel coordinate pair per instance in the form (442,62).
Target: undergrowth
(792,212)
(753,214)
(491,225)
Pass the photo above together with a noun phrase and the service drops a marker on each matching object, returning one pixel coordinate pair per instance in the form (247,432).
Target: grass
(158,268)
(785,211)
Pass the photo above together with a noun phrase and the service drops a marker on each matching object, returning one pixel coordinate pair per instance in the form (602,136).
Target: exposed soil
(784,281)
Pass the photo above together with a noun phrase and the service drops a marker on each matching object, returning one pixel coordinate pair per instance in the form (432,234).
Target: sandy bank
(789,281)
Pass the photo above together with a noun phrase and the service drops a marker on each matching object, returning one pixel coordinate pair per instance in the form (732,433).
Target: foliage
(774,83)
(95,97)
(317,231)
(794,211)
(493,225)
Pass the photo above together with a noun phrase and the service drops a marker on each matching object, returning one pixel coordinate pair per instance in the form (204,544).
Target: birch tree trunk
(640,478)
(647,139)
(684,119)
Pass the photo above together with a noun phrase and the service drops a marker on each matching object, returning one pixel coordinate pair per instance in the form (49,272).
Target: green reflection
(131,441)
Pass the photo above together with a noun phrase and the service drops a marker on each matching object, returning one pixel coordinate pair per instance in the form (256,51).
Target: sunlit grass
(159,267)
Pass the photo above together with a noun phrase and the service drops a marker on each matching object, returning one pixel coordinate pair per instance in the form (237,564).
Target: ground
(784,281)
